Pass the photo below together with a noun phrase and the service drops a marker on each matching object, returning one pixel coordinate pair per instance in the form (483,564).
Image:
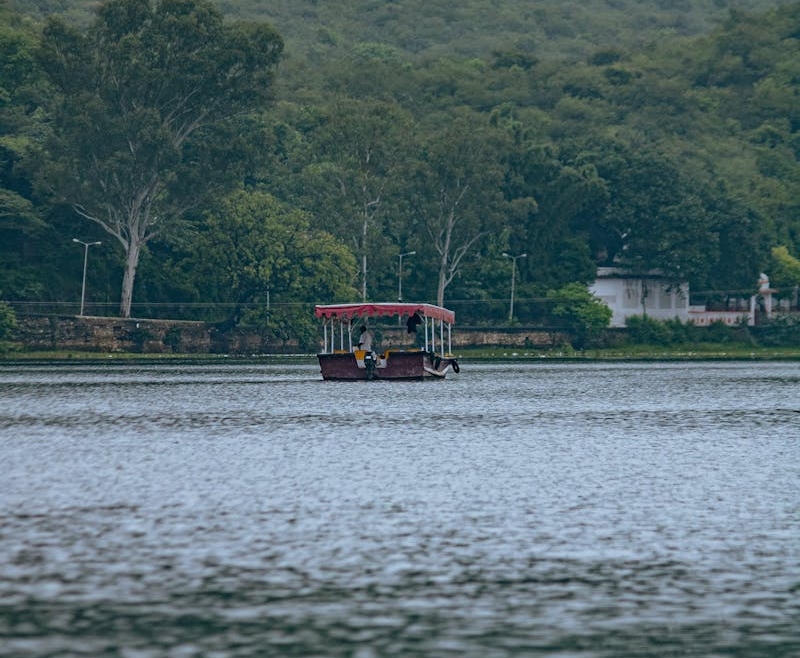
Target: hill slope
(469,28)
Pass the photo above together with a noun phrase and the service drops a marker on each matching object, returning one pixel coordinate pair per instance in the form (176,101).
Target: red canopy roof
(346,311)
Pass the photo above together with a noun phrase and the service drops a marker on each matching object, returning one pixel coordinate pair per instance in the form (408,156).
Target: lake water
(237,508)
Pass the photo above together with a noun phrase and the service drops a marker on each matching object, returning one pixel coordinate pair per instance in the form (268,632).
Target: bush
(719,332)
(643,330)
(781,331)
(584,314)
(8,321)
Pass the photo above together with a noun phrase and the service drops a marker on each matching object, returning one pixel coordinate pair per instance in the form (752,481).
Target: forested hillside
(470,28)
(658,135)
(475,28)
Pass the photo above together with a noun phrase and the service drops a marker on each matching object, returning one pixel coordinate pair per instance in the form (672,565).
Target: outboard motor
(369,364)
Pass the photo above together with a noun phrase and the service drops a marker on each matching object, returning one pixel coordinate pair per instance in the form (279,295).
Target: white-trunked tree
(150,116)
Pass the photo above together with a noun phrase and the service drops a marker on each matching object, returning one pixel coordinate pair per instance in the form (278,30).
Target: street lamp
(400,274)
(513,279)
(400,281)
(86,246)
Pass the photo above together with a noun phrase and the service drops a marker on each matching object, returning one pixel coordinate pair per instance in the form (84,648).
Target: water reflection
(246,509)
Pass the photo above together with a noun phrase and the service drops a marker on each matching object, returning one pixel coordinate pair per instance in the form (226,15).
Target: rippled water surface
(515,509)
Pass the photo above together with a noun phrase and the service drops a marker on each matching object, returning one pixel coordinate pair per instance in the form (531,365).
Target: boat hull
(395,365)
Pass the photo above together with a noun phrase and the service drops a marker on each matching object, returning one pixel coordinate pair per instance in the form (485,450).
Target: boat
(342,359)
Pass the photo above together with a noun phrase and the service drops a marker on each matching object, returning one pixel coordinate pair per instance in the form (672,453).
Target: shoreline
(633,353)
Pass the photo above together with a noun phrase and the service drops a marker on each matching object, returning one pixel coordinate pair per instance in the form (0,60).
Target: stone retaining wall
(103,334)
(100,334)
(482,337)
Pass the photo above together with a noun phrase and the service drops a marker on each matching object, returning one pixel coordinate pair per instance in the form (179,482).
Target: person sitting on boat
(365,339)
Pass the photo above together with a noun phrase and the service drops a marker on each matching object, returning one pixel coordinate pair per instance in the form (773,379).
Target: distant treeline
(241,168)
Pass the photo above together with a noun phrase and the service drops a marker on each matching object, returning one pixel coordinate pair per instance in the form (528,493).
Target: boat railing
(350,315)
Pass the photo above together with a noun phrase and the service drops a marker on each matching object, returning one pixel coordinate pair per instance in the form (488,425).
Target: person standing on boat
(412,322)
(365,339)
(411,326)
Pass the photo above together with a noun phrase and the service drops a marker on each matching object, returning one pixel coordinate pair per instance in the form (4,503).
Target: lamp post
(513,280)
(400,274)
(86,246)
(400,281)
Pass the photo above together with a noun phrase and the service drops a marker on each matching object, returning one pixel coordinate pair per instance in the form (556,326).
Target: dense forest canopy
(657,135)
(425,29)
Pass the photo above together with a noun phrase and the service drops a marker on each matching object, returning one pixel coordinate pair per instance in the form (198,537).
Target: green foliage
(784,270)
(21,225)
(551,192)
(8,321)
(781,330)
(143,102)
(517,127)
(644,330)
(263,260)
(350,162)
(456,191)
(655,219)
(583,313)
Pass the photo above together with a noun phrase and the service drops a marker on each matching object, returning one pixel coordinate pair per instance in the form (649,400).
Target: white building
(661,299)
(651,295)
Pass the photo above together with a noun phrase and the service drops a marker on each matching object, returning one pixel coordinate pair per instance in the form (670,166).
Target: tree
(584,314)
(20,222)
(654,218)
(263,259)
(784,269)
(552,194)
(743,247)
(146,102)
(355,152)
(459,192)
